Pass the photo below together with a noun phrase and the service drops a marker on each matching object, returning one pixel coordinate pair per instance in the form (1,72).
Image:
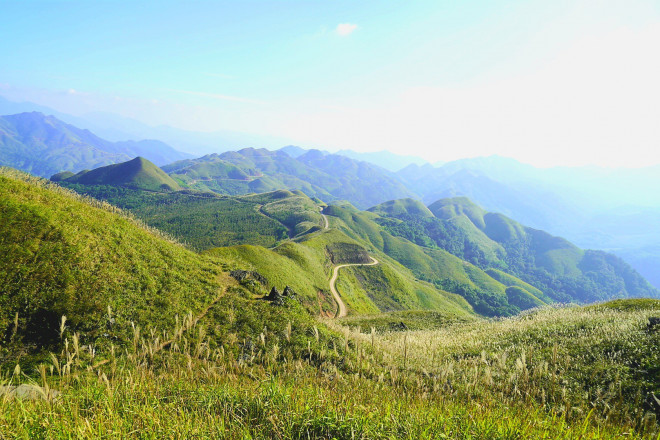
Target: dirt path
(341,307)
(325,220)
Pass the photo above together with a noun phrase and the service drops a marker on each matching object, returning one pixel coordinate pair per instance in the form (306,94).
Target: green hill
(462,249)
(138,173)
(553,265)
(122,285)
(324,176)
(62,254)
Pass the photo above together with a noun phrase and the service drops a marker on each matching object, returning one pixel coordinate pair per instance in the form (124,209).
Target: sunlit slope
(138,173)
(62,254)
(208,220)
(434,265)
(305,264)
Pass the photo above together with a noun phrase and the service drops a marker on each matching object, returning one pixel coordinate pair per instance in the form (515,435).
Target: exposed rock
(242,275)
(289,292)
(398,327)
(654,323)
(275,297)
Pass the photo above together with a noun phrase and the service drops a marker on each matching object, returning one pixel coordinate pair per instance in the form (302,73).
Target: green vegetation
(160,340)
(598,361)
(137,173)
(548,268)
(207,220)
(62,254)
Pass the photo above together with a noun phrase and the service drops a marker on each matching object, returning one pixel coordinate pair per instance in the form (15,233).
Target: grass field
(555,373)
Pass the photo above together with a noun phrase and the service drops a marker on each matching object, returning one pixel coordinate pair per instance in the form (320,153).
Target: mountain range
(44,145)
(452,246)
(612,210)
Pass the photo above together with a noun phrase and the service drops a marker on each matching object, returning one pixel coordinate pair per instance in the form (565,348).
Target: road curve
(325,220)
(341,307)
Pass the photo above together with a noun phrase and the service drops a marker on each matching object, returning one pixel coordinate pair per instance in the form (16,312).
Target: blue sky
(561,82)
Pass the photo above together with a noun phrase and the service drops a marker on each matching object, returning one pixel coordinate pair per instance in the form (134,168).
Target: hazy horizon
(561,84)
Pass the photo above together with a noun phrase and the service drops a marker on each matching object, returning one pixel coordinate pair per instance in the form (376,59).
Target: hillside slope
(61,254)
(137,173)
(558,268)
(302,254)
(324,176)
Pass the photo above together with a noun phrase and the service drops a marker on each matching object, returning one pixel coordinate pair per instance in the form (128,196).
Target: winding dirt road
(325,220)
(341,307)
(342,310)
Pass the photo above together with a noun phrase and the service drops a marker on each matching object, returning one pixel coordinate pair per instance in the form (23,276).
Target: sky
(545,82)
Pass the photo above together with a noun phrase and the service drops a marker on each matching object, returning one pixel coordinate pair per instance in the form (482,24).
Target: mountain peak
(137,173)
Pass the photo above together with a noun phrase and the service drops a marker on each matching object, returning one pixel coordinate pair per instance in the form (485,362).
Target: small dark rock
(275,297)
(398,327)
(288,291)
(654,323)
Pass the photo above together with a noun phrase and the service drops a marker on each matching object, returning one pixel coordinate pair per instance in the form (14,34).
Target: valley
(231,270)
(329,220)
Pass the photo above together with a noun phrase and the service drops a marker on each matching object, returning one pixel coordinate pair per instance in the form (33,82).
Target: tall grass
(482,380)
(595,362)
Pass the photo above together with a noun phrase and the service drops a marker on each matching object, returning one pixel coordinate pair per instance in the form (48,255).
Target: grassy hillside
(62,254)
(122,286)
(137,173)
(558,373)
(561,270)
(450,249)
(207,357)
(432,264)
(325,176)
(305,265)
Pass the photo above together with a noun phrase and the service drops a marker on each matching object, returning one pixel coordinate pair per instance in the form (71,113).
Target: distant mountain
(597,208)
(44,145)
(294,151)
(138,173)
(325,176)
(384,159)
(117,128)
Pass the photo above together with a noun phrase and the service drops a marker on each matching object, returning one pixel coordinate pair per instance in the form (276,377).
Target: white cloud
(345,29)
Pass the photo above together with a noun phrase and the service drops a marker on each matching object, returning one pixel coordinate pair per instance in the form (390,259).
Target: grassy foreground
(556,373)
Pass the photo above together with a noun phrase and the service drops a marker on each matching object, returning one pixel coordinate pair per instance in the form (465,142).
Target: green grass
(195,364)
(62,254)
(464,380)
(137,173)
